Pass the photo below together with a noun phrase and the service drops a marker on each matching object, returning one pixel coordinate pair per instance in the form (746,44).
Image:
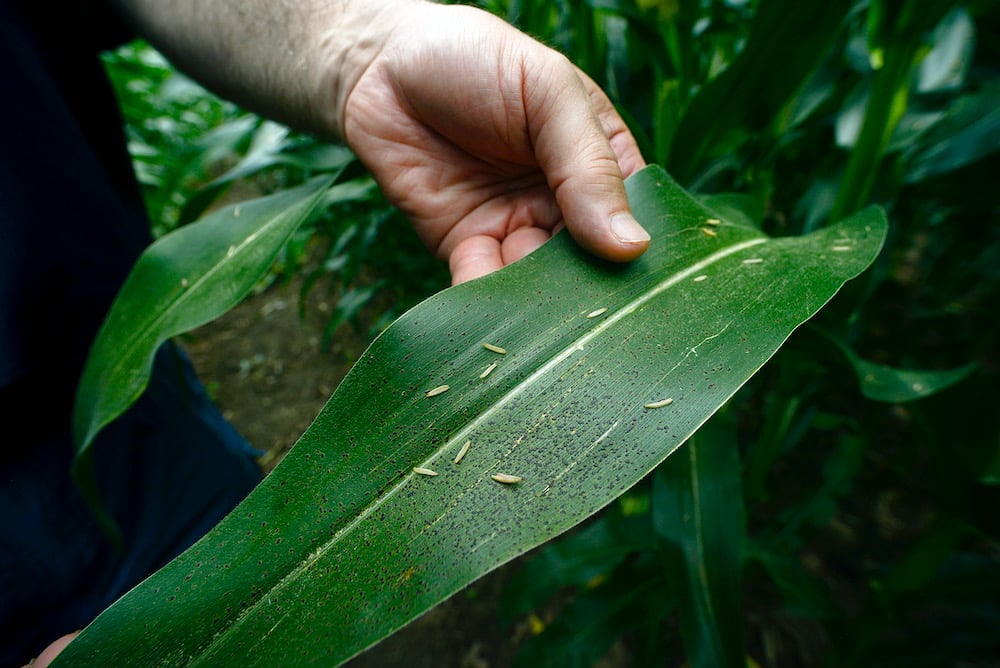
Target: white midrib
(469,428)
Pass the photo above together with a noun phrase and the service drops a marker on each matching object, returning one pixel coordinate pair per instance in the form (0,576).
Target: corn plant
(780,412)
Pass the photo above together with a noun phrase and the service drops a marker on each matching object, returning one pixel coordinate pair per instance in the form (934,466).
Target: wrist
(348,44)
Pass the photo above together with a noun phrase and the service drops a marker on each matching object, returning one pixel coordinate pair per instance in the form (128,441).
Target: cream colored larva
(840,249)
(495,349)
(440,389)
(463,451)
(488,370)
(658,404)
(597,312)
(422,471)
(699,279)
(708,232)
(713,221)
(506,478)
(753,260)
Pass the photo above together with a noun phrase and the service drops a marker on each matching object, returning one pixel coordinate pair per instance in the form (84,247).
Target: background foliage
(856,476)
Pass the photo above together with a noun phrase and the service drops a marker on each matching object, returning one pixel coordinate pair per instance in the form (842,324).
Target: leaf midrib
(390,491)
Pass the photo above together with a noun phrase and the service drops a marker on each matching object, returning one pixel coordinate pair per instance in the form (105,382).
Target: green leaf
(634,599)
(343,542)
(183,280)
(576,560)
(698,514)
(967,132)
(804,594)
(879,382)
(756,86)
(269,147)
(948,62)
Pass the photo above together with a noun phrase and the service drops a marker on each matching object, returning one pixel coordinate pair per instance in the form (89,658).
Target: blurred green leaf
(271,145)
(755,87)
(879,382)
(577,560)
(183,280)
(343,542)
(954,43)
(803,593)
(922,563)
(739,208)
(633,600)
(698,515)
(883,383)
(349,304)
(968,131)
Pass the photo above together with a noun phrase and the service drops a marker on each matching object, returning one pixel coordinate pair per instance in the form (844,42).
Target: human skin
(486,139)
(490,141)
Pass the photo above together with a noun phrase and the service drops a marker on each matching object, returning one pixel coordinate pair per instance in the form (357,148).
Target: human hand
(489,141)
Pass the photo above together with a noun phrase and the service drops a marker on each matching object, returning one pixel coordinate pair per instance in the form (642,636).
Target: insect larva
(597,312)
(713,221)
(840,248)
(658,404)
(753,260)
(496,349)
(709,232)
(488,370)
(506,478)
(699,279)
(461,453)
(422,471)
(440,389)
(184,282)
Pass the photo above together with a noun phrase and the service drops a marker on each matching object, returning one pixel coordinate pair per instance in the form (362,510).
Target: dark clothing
(72,223)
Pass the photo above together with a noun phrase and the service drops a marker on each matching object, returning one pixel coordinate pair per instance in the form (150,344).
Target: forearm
(294,61)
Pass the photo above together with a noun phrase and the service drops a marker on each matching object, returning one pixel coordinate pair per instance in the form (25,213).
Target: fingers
(474,257)
(574,151)
(520,242)
(622,142)
(481,254)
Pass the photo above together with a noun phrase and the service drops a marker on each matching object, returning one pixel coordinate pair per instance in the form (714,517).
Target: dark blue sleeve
(72,224)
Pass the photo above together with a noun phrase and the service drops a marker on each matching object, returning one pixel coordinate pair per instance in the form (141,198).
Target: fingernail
(627,230)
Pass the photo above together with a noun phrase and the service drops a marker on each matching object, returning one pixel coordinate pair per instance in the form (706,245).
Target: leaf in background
(344,543)
(738,208)
(634,599)
(879,382)
(183,280)
(803,592)
(750,93)
(820,506)
(270,147)
(576,560)
(968,131)
(947,63)
(698,515)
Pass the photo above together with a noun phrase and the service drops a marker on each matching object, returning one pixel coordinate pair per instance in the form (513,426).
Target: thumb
(573,149)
